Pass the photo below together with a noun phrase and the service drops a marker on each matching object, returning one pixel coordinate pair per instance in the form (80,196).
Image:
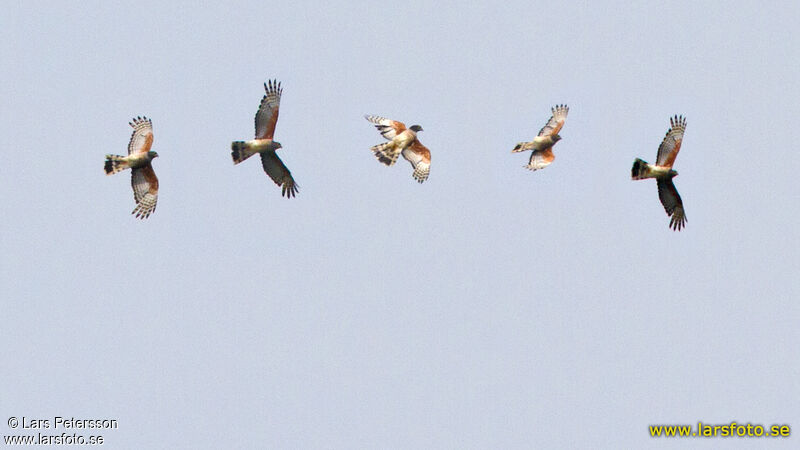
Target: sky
(490,307)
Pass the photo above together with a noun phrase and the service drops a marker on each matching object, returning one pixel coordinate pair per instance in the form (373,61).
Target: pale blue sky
(489,307)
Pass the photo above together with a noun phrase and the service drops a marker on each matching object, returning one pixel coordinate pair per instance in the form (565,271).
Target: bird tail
(522,146)
(240,151)
(386,153)
(640,170)
(115,163)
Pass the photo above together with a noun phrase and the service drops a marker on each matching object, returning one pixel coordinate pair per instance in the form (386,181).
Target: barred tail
(640,170)
(240,151)
(115,163)
(386,153)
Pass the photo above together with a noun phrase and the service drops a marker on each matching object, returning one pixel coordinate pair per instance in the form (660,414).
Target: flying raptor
(663,173)
(143,178)
(542,144)
(403,141)
(266,118)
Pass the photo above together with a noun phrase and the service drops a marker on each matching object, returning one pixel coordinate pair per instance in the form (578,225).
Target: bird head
(276,145)
(151,154)
(416,128)
(673,173)
(556,138)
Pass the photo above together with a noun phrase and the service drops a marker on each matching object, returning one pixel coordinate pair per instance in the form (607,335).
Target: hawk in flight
(542,145)
(266,118)
(403,141)
(663,173)
(143,178)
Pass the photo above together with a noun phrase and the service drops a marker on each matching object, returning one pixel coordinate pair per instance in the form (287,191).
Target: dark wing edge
(556,121)
(420,158)
(280,174)
(671,144)
(145,191)
(388,128)
(267,115)
(142,136)
(672,203)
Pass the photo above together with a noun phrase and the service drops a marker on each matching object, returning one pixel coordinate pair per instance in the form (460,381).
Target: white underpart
(541,141)
(404,139)
(259,145)
(658,171)
(137,160)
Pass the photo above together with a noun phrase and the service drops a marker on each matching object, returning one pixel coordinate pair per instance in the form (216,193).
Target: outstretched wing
(420,158)
(388,128)
(556,121)
(142,137)
(145,191)
(267,115)
(671,145)
(276,170)
(541,159)
(672,203)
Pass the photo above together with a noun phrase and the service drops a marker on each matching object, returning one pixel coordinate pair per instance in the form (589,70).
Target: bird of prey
(143,178)
(266,118)
(403,141)
(542,144)
(663,173)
